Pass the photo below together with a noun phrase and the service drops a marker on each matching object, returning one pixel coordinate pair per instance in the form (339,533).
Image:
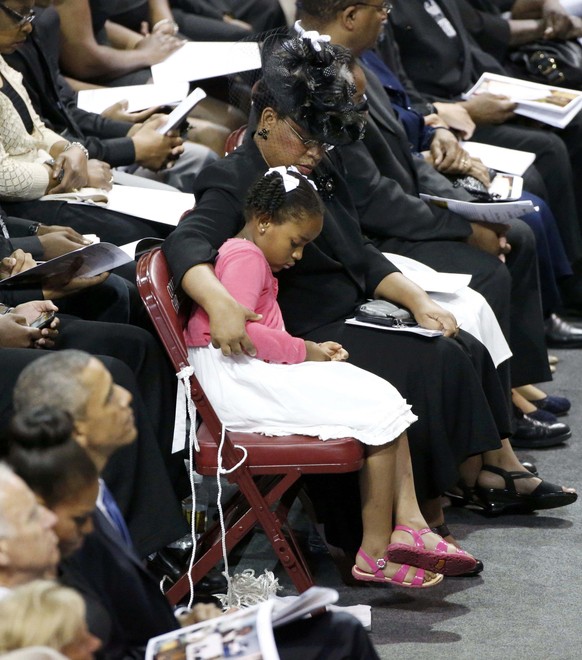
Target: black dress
(451,384)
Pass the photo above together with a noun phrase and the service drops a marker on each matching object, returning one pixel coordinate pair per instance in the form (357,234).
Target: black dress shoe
(561,334)
(532,434)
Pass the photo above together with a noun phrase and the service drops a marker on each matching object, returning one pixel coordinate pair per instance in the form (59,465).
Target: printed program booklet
(495,212)
(87,261)
(555,106)
(246,634)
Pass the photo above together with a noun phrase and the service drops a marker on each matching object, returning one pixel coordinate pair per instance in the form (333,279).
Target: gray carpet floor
(527,603)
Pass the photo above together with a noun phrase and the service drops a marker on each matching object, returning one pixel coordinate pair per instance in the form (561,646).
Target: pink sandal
(437,560)
(418,581)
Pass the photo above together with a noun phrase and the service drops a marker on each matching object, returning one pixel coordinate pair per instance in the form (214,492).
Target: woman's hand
(153,150)
(490,108)
(456,117)
(17,262)
(69,171)
(65,240)
(99,174)
(157,47)
(433,317)
(228,328)
(479,171)
(490,238)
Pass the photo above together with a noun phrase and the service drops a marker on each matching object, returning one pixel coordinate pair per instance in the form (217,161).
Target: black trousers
(555,163)
(110,226)
(330,636)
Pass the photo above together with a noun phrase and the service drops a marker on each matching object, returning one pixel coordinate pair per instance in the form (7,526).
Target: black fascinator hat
(310,80)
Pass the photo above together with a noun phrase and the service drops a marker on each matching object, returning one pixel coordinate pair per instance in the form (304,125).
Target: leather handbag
(549,62)
(473,186)
(382,312)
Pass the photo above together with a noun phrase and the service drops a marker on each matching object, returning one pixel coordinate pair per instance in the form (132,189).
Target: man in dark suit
(443,61)
(387,176)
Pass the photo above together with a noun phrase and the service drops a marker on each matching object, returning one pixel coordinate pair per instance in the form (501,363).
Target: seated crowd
(356,112)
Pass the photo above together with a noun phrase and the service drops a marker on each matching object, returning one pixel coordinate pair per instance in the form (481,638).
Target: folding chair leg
(289,554)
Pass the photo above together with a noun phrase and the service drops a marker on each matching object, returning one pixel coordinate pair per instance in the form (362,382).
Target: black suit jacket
(385,180)
(54,100)
(441,67)
(125,607)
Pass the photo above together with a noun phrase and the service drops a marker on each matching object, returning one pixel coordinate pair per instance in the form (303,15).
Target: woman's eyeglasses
(20,19)
(310,144)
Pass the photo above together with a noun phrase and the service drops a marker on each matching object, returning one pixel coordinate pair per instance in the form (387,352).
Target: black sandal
(508,500)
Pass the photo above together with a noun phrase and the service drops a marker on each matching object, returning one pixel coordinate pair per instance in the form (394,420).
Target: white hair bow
(313,36)
(289,182)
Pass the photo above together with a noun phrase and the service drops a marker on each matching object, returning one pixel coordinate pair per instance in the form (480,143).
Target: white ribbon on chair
(185,409)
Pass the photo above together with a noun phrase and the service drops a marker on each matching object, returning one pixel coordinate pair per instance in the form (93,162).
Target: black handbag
(382,312)
(550,62)
(473,186)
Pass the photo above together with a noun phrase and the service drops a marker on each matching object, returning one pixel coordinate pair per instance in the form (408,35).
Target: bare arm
(399,289)
(82,57)
(557,23)
(121,37)
(161,17)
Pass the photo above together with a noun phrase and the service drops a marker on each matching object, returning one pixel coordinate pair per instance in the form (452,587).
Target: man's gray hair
(54,380)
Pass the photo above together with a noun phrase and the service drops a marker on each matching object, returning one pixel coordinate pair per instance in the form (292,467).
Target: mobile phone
(43,321)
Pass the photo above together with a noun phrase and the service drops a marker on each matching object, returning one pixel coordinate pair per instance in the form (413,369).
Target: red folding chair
(268,480)
(235,139)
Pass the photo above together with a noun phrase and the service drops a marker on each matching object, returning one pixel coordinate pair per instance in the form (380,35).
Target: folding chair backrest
(235,139)
(167,305)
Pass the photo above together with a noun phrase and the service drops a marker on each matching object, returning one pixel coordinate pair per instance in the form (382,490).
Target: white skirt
(321,399)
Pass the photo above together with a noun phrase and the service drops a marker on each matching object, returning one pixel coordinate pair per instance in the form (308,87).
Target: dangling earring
(264,133)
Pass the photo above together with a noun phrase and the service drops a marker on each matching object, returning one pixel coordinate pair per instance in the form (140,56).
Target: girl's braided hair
(268,197)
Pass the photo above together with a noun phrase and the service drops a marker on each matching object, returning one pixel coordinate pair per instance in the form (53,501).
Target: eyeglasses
(20,19)
(309,144)
(385,7)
